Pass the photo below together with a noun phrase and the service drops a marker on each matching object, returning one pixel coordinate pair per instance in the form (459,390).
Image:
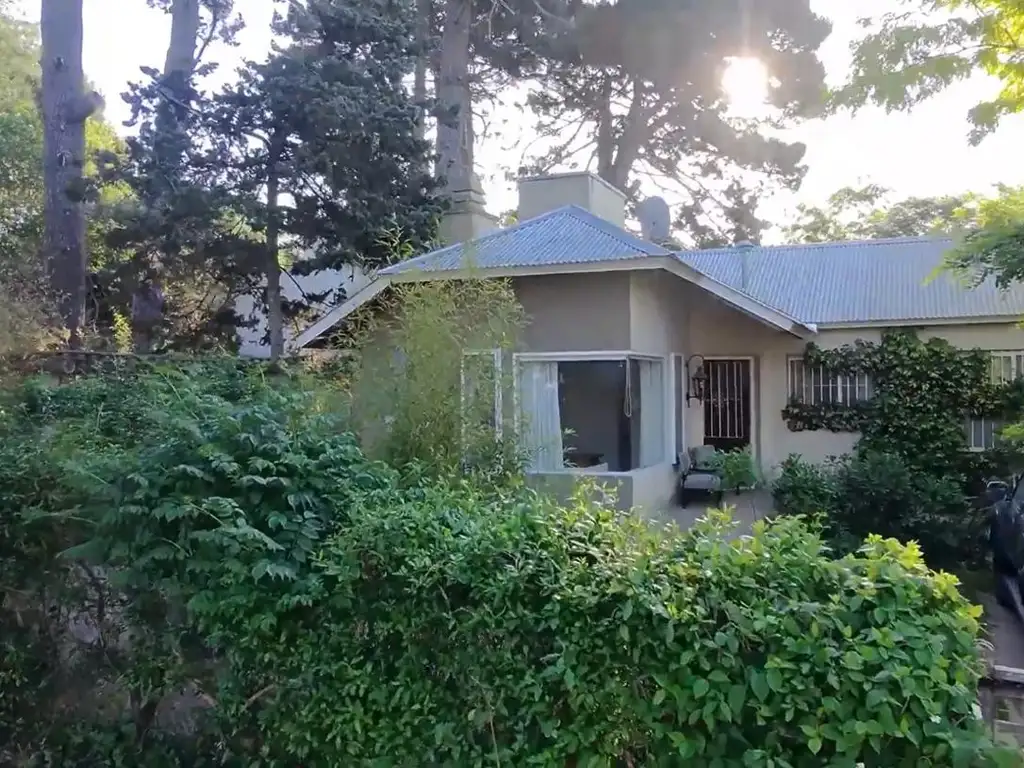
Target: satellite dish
(655,219)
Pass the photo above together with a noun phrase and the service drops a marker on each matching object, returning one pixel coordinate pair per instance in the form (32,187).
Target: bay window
(595,412)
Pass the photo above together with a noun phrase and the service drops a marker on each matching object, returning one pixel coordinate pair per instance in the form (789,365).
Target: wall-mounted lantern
(696,379)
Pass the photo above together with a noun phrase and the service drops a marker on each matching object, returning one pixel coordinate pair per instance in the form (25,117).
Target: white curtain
(652,412)
(541,415)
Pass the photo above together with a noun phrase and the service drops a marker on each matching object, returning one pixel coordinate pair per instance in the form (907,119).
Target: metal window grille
(983,433)
(814,385)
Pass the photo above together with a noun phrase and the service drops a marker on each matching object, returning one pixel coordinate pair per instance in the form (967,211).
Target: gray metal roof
(856,282)
(847,282)
(567,235)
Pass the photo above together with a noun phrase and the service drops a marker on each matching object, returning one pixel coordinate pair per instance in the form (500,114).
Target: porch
(747,508)
(622,372)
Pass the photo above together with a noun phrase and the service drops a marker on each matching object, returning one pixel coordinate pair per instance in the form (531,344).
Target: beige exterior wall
(576,313)
(638,312)
(656,313)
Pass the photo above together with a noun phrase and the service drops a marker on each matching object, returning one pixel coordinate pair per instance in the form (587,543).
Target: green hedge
(446,633)
(341,613)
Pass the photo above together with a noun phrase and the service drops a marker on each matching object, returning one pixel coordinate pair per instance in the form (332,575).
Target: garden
(216,563)
(911,476)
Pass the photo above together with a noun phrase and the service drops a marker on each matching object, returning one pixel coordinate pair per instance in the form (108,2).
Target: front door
(727,400)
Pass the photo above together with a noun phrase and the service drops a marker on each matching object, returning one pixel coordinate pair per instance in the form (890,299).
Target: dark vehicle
(1006,540)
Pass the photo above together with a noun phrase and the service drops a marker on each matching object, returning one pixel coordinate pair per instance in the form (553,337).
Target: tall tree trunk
(424,15)
(65,108)
(455,114)
(169,147)
(275,314)
(176,82)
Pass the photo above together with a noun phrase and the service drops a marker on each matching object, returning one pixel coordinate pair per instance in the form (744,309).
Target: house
(317,289)
(640,352)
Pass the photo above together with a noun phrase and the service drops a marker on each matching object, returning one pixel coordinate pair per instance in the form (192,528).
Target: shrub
(337,612)
(75,464)
(803,488)
(737,469)
(444,627)
(870,492)
(424,389)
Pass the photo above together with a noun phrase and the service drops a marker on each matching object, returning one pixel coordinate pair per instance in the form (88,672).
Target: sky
(924,152)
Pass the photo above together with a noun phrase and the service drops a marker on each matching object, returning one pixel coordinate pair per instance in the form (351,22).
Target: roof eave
(735,298)
(365,294)
(917,322)
(744,302)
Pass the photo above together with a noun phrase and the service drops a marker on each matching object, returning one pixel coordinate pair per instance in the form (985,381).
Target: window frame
(1016,358)
(849,383)
(595,356)
(496,357)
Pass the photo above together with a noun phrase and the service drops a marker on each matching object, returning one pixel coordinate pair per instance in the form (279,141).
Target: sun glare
(745,83)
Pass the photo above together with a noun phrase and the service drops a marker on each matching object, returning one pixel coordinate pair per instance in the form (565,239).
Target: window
(481,389)
(814,385)
(983,433)
(605,415)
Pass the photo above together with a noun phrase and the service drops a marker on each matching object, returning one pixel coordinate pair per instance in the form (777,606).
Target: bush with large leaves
(74,460)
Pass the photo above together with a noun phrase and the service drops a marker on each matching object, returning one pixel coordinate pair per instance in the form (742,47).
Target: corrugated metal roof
(848,282)
(855,282)
(567,235)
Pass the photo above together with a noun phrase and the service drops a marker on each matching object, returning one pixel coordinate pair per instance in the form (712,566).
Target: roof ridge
(606,227)
(486,237)
(589,219)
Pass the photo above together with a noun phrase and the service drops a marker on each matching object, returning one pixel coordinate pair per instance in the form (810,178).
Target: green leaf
(759,684)
(737,697)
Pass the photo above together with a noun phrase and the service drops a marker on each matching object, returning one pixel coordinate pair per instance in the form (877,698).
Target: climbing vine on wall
(921,394)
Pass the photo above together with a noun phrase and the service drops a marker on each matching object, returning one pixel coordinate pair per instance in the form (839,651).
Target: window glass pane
(595,415)
(648,412)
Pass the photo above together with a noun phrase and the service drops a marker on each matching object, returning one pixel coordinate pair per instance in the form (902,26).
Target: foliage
(417,395)
(737,468)
(879,493)
(27,312)
(599,641)
(334,611)
(66,452)
(923,391)
(868,213)
(802,488)
(326,117)
(331,96)
(993,248)
(610,98)
(917,50)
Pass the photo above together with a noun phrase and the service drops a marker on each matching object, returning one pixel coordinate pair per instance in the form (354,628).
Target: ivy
(922,391)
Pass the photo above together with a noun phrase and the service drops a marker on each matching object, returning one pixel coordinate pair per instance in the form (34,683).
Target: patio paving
(1004,631)
(748,507)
